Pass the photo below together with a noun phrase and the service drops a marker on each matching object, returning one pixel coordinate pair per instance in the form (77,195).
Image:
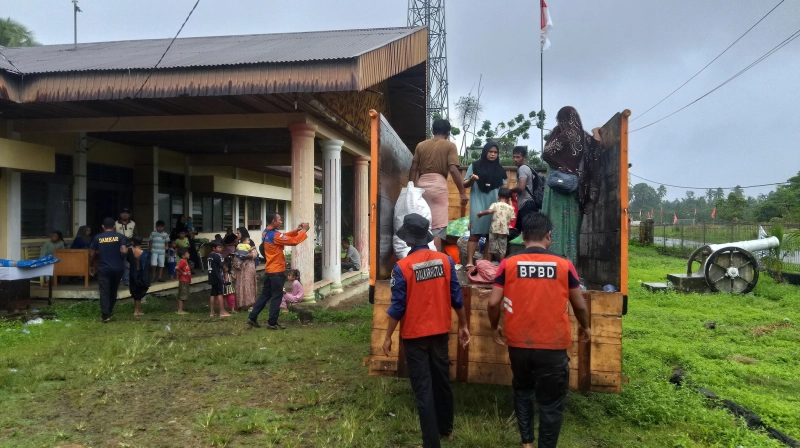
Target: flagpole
(541,77)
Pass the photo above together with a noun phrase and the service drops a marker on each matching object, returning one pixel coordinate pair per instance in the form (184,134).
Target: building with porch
(224,130)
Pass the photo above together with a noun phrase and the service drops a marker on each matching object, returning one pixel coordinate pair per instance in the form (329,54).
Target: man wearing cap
(128,228)
(424,288)
(535,288)
(111,247)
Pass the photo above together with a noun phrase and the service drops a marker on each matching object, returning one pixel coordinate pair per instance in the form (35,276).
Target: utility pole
(75,12)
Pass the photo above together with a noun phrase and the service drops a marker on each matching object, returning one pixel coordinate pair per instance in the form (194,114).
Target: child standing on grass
(294,295)
(216,279)
(230,291)
(171,259)
(502,213)
(139,276)
(184,279)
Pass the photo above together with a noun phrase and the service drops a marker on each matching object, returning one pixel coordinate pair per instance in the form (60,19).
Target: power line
(12,64)
(154,67)
(774,49)
(707,188)
(712,61)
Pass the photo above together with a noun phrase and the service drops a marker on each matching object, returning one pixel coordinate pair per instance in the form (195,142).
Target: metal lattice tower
(430,13)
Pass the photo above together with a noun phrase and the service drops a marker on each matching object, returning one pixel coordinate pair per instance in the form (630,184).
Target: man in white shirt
(352,259)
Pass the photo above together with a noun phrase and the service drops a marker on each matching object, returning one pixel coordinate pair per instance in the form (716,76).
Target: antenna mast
(430,13)
(76,10)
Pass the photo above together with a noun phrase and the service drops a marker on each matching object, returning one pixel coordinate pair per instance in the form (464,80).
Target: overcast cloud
(606,56)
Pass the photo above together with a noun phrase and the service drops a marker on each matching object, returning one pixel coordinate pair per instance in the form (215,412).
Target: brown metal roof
(201,51)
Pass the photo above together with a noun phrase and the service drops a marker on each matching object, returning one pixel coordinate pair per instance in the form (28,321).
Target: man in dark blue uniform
(111,247)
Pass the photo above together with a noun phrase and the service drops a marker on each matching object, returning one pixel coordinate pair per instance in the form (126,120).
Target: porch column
(145,190)
(361,210)
(187,188)
(303,201)
(332,213)
(11,187)
(79,184)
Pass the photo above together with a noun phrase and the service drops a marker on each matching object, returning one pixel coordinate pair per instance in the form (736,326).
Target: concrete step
(689,283)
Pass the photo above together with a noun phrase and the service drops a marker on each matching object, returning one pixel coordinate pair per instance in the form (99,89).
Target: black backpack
(537,195)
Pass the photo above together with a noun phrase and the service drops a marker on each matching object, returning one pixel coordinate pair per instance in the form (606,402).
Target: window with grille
(46,204)
(241,218)
(254,214)
(170,208)
(107,173)
(212,213)
(170,180)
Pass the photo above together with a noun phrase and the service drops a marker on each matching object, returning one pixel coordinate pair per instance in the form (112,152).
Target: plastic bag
(409,201)
(484,272)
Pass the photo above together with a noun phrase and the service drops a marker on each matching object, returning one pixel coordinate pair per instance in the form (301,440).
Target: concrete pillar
(361,210)
(145,190)
(11,212)
(79,184)
(332,213)
(303,201)
(187,187)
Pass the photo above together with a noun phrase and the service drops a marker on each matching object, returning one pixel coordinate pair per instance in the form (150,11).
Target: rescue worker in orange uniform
(534,288)
(273,243)
(424,288)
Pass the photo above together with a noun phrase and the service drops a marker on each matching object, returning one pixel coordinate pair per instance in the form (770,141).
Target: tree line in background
(507,134)
(782,204)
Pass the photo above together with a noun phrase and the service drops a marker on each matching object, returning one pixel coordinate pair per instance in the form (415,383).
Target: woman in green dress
(488,176)
(570,150)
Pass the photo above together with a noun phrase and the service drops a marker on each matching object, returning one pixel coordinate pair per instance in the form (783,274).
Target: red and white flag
(675,219)
(546,24)
(714,213)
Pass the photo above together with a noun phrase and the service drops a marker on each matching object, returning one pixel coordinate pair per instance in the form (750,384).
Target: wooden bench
(74,263)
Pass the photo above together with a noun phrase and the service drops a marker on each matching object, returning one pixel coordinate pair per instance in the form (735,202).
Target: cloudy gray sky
(606,56)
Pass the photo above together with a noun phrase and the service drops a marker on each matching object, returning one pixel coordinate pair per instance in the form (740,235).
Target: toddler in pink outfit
(296,293)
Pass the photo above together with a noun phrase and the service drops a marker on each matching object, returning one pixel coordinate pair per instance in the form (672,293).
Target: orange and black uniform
(273,243)
(424,289)
(536,285)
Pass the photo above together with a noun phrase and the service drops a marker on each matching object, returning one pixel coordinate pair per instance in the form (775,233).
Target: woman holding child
(488,176)
(245,270)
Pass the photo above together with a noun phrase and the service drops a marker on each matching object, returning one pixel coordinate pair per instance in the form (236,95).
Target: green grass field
(211,382)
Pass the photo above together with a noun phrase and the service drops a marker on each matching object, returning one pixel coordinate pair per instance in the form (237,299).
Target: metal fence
(682,239)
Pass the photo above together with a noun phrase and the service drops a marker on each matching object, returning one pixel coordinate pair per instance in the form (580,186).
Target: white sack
(410,201)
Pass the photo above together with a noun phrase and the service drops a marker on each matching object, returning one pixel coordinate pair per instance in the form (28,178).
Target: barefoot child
(295,295)
(216,279)
(184,279)
(502,213)
(229,290)
(140,273)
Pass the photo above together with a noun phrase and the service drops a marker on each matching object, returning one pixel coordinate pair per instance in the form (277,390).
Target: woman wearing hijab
(83,239)
(488,176)
(245,272)
(570,150)
(180,226)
